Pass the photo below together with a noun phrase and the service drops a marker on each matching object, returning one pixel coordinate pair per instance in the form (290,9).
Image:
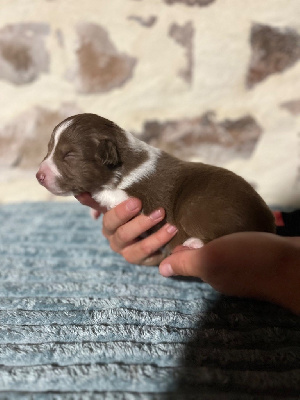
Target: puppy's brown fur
(88,153)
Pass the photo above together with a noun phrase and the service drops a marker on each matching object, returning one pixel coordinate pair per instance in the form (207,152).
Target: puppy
(88,153)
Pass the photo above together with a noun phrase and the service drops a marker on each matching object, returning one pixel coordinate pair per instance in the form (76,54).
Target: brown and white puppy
(88,153)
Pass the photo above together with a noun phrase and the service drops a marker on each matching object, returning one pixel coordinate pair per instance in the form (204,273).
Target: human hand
(87,200)
(248,264)
(123,225)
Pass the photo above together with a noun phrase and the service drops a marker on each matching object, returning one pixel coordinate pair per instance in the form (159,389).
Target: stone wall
(210,80)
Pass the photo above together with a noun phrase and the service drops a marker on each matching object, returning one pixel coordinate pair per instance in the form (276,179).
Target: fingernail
(132,204)
(157,214)
(166,270)
(171,228)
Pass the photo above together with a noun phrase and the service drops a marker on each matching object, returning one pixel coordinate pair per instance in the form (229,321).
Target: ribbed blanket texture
(78,322)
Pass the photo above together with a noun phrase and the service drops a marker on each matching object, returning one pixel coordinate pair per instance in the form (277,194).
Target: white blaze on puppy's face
(48,171)
(57,134)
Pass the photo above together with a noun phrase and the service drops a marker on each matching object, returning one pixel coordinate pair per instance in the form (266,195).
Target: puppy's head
(82,156)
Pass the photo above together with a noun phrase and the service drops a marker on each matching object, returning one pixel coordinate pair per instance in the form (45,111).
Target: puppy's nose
(40,176)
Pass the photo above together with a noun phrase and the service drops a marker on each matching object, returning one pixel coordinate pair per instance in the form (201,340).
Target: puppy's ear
(107,153)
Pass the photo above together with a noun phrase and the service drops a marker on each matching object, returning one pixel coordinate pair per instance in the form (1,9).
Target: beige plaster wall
(210,80)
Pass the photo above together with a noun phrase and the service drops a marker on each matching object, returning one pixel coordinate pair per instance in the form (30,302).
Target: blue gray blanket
(78,322)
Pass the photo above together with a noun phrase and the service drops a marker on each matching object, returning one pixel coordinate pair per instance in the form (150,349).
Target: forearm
(249,264)
(288,282)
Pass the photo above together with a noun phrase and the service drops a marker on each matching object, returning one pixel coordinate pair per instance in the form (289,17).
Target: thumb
(184,262)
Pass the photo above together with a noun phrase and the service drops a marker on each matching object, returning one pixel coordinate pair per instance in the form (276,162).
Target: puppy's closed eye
(68,155)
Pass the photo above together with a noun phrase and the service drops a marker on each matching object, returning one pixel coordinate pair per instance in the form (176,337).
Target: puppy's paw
(95,214)
(193,243)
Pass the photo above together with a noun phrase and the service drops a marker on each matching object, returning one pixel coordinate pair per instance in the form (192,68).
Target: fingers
(123,232)
(183,261)
(130,231)
(148,251)
(95,214)
(119,215)
(180,248)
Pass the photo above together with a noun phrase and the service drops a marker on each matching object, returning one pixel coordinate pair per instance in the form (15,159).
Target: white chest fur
(110,197)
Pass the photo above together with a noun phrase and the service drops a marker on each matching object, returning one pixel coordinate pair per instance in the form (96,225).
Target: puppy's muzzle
(41,177)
